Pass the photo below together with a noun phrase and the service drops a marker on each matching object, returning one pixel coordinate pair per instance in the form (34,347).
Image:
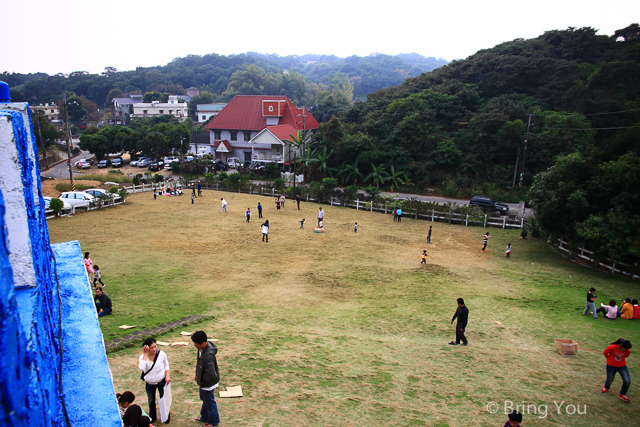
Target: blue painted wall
(53,367)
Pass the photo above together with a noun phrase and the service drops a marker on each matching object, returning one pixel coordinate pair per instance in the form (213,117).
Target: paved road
(61,170)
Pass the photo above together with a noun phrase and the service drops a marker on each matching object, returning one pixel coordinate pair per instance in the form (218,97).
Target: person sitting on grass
(103,303)
(124,401)
(610,311)
(636,309)
(626,309)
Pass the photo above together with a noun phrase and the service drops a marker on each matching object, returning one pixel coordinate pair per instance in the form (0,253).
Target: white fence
(615,267)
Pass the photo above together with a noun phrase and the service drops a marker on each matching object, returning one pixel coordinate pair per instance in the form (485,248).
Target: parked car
(104,163)
(488,204)
(117,162)
(220,165)
(137,161)
(168,160)
(188,158)
(145,163)
(234,162)
(246,165)
(156,166)
(84,164)
(79,199)
(100,192)
(66,208)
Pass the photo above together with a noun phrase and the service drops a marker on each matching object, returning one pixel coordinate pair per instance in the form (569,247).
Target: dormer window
(270,108)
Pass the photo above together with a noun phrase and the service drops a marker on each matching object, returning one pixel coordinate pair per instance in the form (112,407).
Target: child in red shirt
(616,354)
(636,309)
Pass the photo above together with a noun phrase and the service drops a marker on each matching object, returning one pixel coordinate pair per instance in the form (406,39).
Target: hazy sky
(80,35)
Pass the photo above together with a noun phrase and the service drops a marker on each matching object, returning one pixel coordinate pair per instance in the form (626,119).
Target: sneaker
(453,343)
(604,390)
(625,398)
(464,343)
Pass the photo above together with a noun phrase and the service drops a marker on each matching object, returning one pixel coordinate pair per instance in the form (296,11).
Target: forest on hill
(572,95)
(328,82)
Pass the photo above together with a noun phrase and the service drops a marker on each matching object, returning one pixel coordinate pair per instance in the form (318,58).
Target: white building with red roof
(255,127)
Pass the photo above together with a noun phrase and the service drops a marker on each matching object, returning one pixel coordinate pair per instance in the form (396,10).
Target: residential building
(50,110)
(256,127)
(157,108)
(123,108)
(205,111)
(193,91)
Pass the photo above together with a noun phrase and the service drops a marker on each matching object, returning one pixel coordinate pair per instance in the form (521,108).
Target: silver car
(78,199)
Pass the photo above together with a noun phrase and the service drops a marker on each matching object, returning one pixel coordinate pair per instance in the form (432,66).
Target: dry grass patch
(347,329)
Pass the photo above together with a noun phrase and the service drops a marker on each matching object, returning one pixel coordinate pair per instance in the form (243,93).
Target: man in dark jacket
(103,303)
(462,313)
(207,377)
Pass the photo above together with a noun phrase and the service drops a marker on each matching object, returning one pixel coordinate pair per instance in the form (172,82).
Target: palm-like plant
(323,160)
(352,171)
(307,159)
(299,142)
(397,178)
(378,175)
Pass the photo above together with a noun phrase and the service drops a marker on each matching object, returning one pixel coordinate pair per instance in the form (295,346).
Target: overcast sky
(80,35)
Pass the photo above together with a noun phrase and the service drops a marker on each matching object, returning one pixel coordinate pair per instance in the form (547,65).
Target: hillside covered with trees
(329,82)
(573,95)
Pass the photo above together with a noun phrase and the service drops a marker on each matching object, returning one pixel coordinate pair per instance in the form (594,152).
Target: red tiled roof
(244,112)
(283,132)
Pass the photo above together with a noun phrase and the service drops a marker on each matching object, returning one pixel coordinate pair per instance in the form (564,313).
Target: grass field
(346,329)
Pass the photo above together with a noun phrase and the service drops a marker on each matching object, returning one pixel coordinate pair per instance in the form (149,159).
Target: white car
(66,207)
(99,192)
(78,199)
(135,162)
(234,162)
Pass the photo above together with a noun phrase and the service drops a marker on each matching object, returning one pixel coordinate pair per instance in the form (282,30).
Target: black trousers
(151,397)
(260,214)
(460,334)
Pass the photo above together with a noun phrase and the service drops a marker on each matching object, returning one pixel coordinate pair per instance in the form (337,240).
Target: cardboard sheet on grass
(165,404)
(235,391)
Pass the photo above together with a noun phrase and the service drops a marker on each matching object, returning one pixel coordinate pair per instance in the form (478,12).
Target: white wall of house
(177,109)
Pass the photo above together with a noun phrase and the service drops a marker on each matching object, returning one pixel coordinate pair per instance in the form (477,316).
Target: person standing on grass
(282,200)
(298,200)
(302,223)
(97,277)
(248,214)
(424,257)
(507,251)
(395,214)
(277,203)
(155,373)
(259,210)
(155,194)
(265,231)
(199,190)
(616,355)
(462,313)
(88,267)
(192,198)
(207,377)
(103,303)
(399,214)
(320,216)
(429,234)
(485,240)
(591,303)
(224,205)
(355,229)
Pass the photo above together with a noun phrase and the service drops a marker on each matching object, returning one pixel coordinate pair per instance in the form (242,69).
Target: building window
(247,136)
(161,111)
(170,111)
(270,108)
(144,111)
(234,135)
(216,135)
(204,117)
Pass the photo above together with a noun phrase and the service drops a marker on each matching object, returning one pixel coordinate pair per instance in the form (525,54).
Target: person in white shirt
(320,216)
(224,205)
(156,375)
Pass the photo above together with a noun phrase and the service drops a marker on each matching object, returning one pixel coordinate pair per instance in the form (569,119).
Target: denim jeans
(151,397)
(592,306)
(624,374)
(105,311)
(209,412)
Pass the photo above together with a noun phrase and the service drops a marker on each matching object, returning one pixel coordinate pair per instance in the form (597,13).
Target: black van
(488,204)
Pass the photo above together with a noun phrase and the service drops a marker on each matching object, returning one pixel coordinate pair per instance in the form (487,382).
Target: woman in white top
(155,375)
(610,311)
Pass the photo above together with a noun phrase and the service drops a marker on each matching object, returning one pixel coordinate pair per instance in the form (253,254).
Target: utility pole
(66,122)
(524,151)
(43,147)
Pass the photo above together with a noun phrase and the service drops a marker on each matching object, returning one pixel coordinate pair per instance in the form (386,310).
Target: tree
(378,175)
(307,160)
(397,178)
(203,98)
(323,161)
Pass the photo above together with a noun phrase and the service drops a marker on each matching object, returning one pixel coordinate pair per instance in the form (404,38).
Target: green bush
(104,178)
(372,191)
(116,172)
(123,193)
(66,186)
(113,189)
(158,177)
(136,179)
(56,205)
(222,176)
(278,184)
(329,184)
(176,167)
(272,170)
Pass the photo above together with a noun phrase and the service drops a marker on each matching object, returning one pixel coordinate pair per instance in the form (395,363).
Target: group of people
(156,373)
(104,306)
(628,310)
(168,191)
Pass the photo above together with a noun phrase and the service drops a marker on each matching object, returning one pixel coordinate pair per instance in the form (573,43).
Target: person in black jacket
(462,313)
(207,377)
(103,303)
